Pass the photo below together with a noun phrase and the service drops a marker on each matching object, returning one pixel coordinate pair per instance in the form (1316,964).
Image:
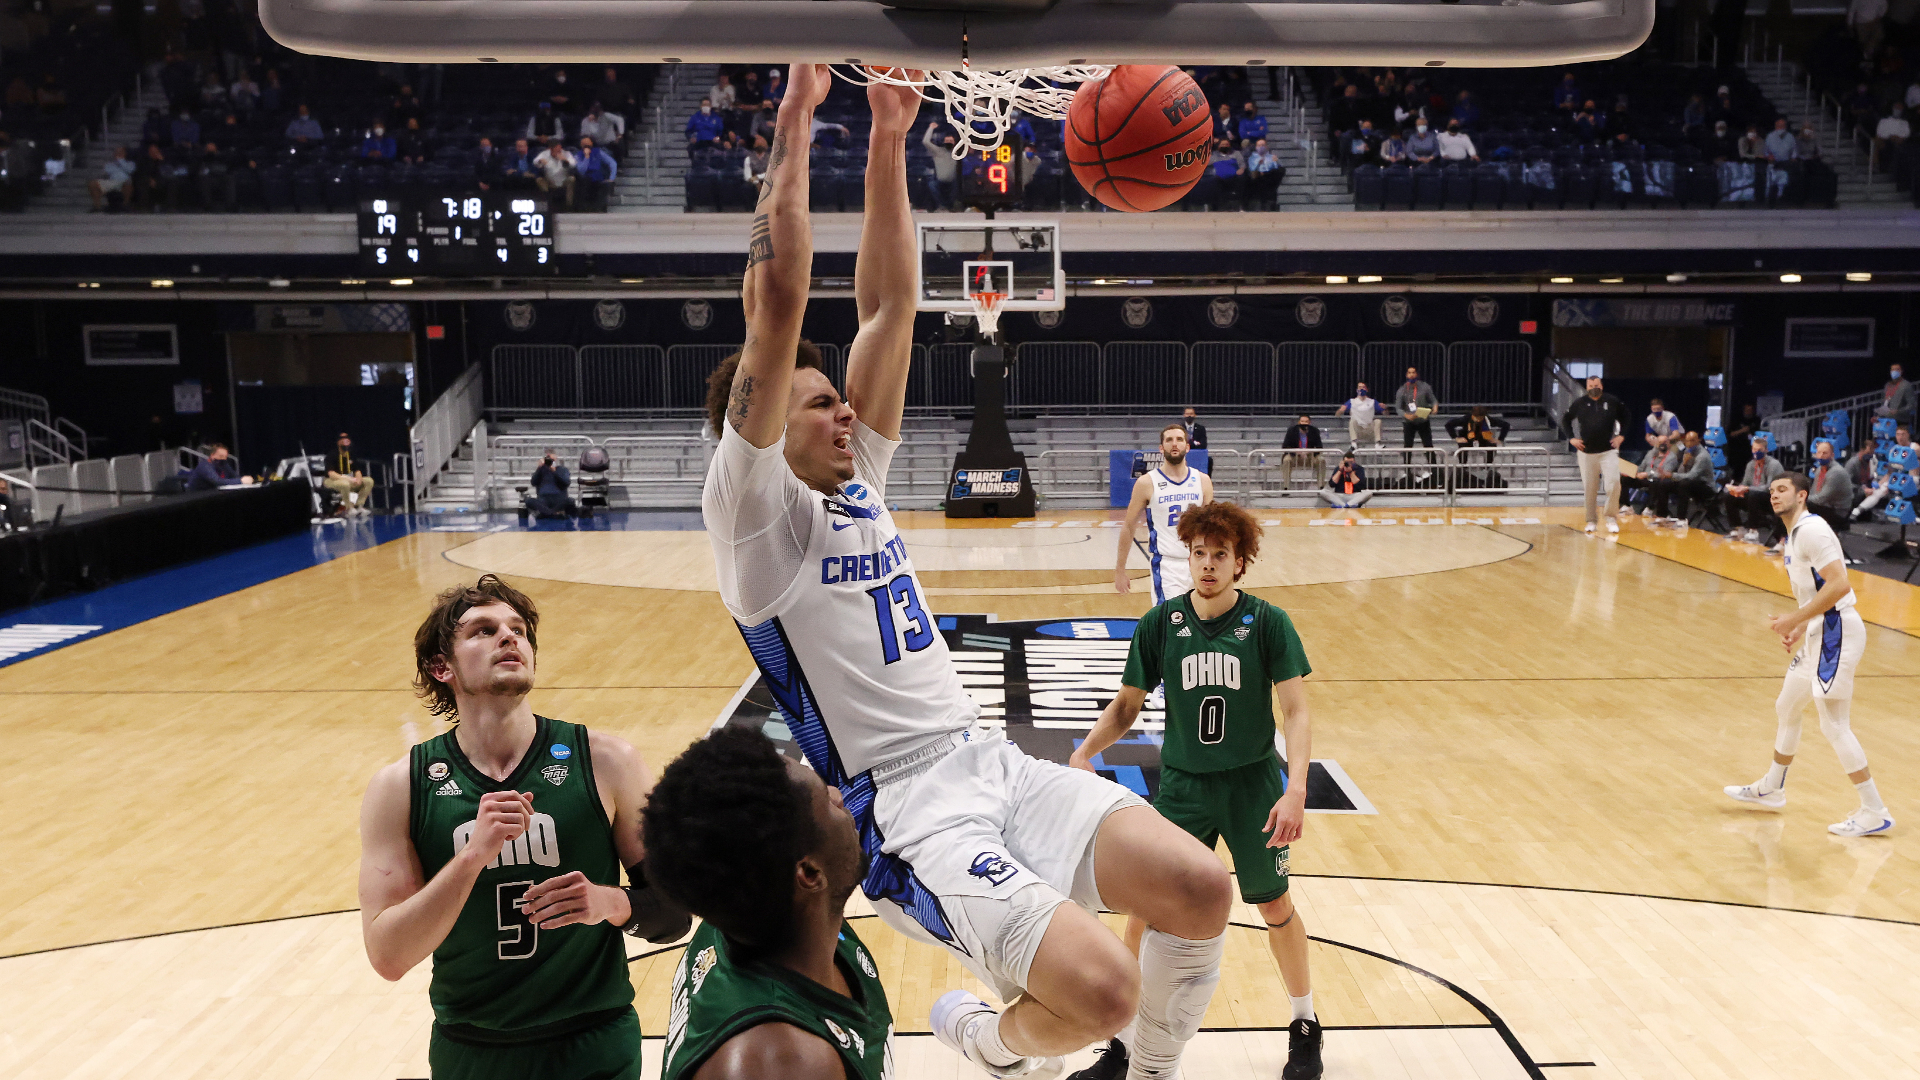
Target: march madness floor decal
(1047,681)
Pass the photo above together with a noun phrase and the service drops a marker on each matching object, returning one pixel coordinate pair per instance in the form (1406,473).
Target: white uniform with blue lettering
(1165,551)
(972,843)
(1831,651)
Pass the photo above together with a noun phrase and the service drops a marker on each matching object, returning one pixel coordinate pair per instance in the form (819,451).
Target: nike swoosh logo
(837,526)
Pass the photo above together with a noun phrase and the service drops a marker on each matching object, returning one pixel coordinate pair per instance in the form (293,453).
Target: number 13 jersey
(828,601)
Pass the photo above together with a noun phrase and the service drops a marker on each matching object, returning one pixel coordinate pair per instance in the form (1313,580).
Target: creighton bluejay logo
(992,867)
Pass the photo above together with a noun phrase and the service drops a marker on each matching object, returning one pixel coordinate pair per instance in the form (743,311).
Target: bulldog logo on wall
(1483,311)
(1223,312)
(1049,320)
(519,315)
(1395,311)
(1137,312)
(696,314)
(1310,312)
(609,315)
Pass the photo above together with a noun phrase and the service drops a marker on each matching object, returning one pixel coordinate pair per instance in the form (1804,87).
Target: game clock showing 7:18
(489,233)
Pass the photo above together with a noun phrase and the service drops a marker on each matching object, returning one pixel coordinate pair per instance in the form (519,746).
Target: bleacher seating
(55,87)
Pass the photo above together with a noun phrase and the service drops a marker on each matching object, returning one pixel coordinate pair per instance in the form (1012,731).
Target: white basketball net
(979,105)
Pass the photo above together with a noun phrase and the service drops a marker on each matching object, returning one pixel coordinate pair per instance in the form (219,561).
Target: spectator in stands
(1196,431)
(939,141)
(722,92)
(1660,423)
(1722,145)
(1897,396)
(1867,18)
(1881,488)
(1032,168)
(615,96)
(1746,504)
(378,145)
(412,144)
(1228,169)
(1264,175)
(1751,147)
(1363,417)
(1347,112)
(1478,429)
(607,130)
(244,95)
(1304,436)
(753,168)
(1415,403)
(596,170)
(303,128)
(1585,125)
(1693,118)
(766,124)
(213,170)
(213,95)
(1346,489)
(218,470)
(1806,145)
(1832,495)
(1455,145)
(406,106)
(545,124)
(1360,142)
(1892,133)
(1466,110)
(489,164)
(116,177)
(272,92)
(1723,108)
(1593,425)
(821,140)
(776,87)
(51,97)
(550,480)
(555,167)
(1863,106)
(560,95)
(1567,95)
(747,99)
(704,127)
(1663,453)
(1223,126)
(1690,482)
(518,172)
(346,479)
(1393,149)
(157,129)
(156,179)
(185,130)
(1424,145)
(1252,126)
(1781,146)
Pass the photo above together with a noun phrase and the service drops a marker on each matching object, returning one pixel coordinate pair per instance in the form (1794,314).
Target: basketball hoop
(986,311)
(980,104)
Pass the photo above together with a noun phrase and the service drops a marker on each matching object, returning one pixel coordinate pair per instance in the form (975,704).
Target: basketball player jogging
(1162,495)
(496,848)
(775,983)
(972,845)
(1218,649)
(1826,638)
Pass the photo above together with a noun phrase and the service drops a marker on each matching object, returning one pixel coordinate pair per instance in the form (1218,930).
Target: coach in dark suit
(1196,435)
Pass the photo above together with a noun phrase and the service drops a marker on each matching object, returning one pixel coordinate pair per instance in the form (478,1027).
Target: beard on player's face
(1173,451)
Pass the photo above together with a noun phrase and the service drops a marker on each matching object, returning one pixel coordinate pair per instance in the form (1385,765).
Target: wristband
(655,916)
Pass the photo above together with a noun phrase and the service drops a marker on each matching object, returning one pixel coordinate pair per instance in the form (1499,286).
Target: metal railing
(48,445)
(436,436)
(1502,470)
(1272,475)
(407,479)
(1804,425)
(654,469)
(23,406)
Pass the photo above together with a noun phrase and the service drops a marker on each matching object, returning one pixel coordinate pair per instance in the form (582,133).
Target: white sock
(1870,796)
(1776,779)
(1130,1034)
(984,1034)
(1303,1006)
(1177,979)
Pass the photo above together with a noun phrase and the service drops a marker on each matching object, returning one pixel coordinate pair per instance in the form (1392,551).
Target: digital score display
(489,233)
(992,177)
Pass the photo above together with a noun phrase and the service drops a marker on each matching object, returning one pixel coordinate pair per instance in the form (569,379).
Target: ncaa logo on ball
(437,771)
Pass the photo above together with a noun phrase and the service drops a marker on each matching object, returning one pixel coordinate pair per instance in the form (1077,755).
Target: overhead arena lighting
(1675,279)
(1369,279)
(161,283)
(1561,280)
(400,281)
(1336,279)
(1789,279)
(278,283)
(353,281)
(1859,277)
(1612,280)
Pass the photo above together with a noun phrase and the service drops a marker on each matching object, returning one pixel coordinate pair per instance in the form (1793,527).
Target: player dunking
(973,845)
(1218,650)
(1826,638)
(1162,495)
(775,983)
(496,847)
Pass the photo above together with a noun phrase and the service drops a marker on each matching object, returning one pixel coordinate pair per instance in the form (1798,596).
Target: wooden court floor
(1553,884)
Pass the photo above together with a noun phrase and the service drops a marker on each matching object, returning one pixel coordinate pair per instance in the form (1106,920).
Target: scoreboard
(992,177)
(483,233)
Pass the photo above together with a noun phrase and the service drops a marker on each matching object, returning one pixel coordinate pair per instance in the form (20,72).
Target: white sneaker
(1624,511)
(1751,536)
(955,1019)
(1646,511)
(1613,527)
(1590,528)
(1863,822)
(1750,793)
(1777,548)
(1157,701)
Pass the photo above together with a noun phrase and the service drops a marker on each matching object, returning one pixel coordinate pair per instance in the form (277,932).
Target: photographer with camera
(550,480)
(1346,489)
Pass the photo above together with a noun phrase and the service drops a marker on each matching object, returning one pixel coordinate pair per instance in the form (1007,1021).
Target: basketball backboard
(997,34)
(1017,259)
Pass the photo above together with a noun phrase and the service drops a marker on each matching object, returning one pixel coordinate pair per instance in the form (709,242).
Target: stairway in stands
(1785,86)
(68,194)
(677,92)
(1328,189)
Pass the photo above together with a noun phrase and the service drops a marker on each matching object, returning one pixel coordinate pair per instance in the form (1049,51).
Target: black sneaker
(1112,1063)
(1303,1051)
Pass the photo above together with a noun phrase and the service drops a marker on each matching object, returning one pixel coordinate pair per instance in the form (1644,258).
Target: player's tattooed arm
(740,401)
(760,243)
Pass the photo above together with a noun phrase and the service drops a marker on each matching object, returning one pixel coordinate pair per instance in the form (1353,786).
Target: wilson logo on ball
(1199,151)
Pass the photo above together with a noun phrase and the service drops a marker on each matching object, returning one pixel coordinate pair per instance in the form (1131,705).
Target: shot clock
(486,233)
(992,177)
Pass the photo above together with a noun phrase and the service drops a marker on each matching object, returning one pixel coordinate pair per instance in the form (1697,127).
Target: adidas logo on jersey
(449,788)
(1185,631)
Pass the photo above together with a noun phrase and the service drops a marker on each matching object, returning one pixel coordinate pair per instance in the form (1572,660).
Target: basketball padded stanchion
(990,478)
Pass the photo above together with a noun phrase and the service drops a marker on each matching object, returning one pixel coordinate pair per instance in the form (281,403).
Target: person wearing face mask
(1897,398)
(1424,146)
(1880,483)
(1722,145)
(1363,417)
(1455,145)
(1661,423)
(1691,480)
(1832,494)
(1751,147)
(378,145)
(704,127)
(1593,426)
(1747,501)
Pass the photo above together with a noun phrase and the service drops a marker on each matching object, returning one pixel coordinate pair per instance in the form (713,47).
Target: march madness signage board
(1047,681)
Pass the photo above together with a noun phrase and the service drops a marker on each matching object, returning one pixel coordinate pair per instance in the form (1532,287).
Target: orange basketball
(1139,138)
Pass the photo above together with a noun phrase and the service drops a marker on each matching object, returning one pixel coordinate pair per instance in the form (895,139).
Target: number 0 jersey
(1218,676)
(717,996)
(1165,553)
(826,596)
(497,977)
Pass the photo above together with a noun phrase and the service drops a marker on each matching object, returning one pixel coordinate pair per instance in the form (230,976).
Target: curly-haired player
(1218,649)
(774,982)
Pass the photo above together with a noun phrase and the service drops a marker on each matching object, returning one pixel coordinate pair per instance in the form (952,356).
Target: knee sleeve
(1838,729)
(1177,979)
(1788,707)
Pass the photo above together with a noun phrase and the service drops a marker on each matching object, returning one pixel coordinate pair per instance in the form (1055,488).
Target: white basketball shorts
(1830,654)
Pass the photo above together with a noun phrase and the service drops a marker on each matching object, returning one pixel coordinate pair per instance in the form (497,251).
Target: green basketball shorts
(1233,804)
(607,1051)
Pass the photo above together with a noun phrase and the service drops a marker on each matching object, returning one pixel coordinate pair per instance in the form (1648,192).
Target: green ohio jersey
(716,997)
(497,977)
(1218,676)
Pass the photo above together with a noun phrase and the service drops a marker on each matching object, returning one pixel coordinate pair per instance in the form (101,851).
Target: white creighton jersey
(1811,545)
(1165,552)
(827,599)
